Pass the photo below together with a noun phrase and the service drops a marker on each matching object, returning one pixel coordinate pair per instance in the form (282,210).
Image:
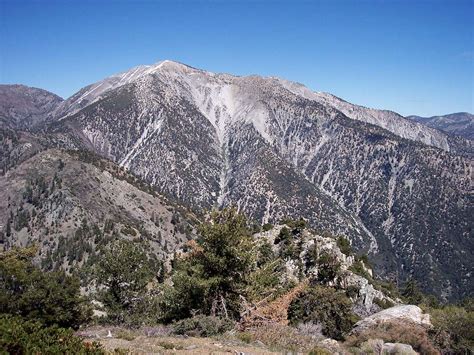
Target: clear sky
(413,57)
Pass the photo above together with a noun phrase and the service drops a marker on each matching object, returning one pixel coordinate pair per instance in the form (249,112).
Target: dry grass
(125,334)
(175,345)
(396,332)
(281,337)
(157,340)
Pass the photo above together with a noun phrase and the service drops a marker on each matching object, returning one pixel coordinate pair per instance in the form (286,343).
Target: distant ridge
(460,123)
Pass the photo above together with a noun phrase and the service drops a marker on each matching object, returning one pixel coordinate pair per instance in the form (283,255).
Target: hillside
(71,203)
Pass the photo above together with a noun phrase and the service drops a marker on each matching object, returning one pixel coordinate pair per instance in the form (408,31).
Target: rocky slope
(461,123)
(388,120)
(25,107)
(302,254)
(71,203)
(273,148)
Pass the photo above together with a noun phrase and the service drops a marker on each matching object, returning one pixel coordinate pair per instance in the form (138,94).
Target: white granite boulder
(398,348)
(409,313)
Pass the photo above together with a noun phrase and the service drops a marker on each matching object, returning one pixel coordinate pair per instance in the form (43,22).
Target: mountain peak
(171,64)
(204,89)
(168,65)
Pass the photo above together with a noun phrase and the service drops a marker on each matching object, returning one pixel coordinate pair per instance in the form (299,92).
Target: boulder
(398,348)
(98,313)
(331,345)
(367,295)
(408,313)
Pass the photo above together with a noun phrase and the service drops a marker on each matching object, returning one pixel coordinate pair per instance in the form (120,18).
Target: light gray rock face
(366,296)
(409,313)
(397,189)
(25,107)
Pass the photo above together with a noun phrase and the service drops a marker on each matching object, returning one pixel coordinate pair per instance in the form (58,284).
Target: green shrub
(453,329)
(19,336)
(412,293)
(324,305)
(186,295)
(467,303)
(383,303)
(289,248)
(266,277)
(387,287)
(125,334)
(328,267)
(170,346)
(319,351)
(296,225)
(365,259)
(358,268)
(124,270)
(352,291)
(344,245)
(311,257)
(202,326)
(245,337)
(265,253)
(267,226)
(52,298)
(283,236)
(264,281)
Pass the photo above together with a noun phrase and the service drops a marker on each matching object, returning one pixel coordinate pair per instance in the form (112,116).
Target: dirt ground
(127,342)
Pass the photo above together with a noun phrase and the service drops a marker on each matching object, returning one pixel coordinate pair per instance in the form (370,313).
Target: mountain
(25,107)
(398,189)
(461,123)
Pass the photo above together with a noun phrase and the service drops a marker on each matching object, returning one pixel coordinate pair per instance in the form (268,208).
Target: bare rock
(398,348)
(331,345)
(409,313)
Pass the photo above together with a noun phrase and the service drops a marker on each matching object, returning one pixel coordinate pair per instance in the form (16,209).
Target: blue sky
(413,57)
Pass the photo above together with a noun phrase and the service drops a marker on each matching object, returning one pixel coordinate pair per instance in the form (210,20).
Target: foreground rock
(398,348)
(408,313)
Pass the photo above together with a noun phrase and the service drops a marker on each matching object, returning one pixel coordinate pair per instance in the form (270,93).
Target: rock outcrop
(398,348)
(312,246)
(409,313)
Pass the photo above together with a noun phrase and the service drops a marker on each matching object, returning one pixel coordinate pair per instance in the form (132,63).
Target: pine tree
(214,274)
(125,270)
(412,292)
